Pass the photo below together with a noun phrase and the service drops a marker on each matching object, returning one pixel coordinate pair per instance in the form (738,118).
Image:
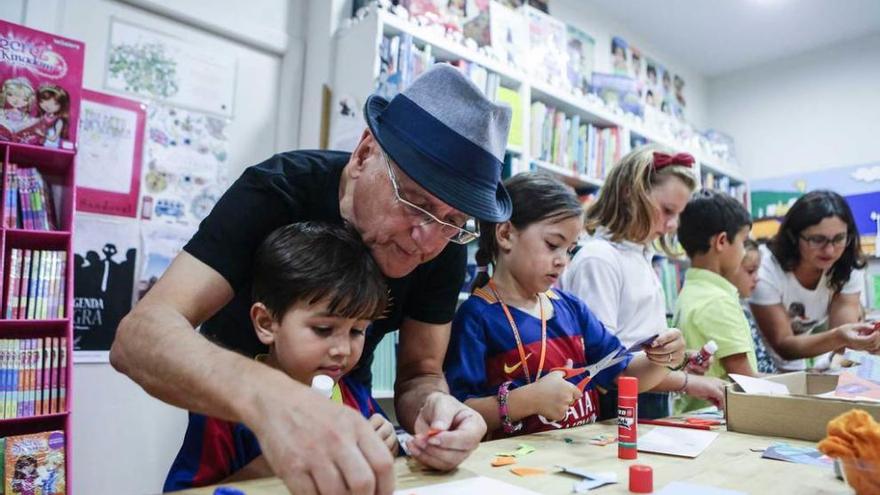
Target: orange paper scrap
(503,461)
(528,471)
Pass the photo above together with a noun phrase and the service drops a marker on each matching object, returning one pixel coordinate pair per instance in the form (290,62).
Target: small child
(516,344)
(713,229)
(745,280)
(315,290)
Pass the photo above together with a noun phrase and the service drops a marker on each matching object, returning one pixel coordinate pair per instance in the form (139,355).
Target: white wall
(816,110)
(123,439)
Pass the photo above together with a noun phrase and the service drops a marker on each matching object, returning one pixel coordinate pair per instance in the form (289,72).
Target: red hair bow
(663,160)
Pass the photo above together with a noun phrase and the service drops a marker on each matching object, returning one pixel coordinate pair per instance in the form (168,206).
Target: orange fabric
(854,437)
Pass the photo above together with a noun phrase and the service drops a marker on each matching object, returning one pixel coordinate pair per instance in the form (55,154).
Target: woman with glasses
(807,303)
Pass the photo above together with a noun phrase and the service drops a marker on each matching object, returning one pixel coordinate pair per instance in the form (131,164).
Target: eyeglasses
(820,241)
(467,230)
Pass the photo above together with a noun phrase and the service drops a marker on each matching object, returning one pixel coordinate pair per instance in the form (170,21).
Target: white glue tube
(705,353)
(323,384)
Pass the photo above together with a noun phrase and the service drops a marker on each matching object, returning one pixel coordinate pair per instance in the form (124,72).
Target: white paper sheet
(682,442)
(471,486)
(759,385)
(682,488)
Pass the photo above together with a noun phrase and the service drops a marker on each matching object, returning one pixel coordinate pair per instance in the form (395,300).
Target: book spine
(62,375)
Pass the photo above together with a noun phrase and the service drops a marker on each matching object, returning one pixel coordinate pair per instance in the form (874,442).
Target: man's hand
(319,447)
(460,431)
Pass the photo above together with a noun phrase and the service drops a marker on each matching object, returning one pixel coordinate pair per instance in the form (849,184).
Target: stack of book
(583,148)
(35,285)
(400,62)
(34,463)
(32,376)
(28,200)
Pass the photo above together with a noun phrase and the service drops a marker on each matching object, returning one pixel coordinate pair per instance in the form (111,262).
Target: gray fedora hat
(445,135)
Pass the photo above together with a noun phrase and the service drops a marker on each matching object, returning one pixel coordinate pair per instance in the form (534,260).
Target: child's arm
(652,367)
(739,364)
(385,430)
(550,397)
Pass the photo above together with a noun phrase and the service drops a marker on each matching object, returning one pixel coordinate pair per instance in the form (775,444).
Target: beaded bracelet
(503,392)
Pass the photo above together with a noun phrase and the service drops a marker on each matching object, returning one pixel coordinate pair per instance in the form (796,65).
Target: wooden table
(728,463)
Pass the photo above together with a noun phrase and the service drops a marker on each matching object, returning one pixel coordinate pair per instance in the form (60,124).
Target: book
(617,90)
(547,54)
(580,49)
(512,99)
(39,67)
(34,464)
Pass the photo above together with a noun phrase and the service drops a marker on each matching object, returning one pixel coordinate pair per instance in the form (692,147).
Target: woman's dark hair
(313,261)
(535,197)
(807,211)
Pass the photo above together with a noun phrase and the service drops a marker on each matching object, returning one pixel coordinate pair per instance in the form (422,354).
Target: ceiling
(717,36)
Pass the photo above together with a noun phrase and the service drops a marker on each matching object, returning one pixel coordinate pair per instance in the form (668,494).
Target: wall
(123,439)
(819,109)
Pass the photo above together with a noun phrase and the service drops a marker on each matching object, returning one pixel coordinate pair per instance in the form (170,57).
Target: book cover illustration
(40,84)
(618,90)
(35,464)
(581,48)
(547,52)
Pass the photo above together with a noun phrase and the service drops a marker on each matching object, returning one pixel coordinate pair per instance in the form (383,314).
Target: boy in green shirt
(713,228)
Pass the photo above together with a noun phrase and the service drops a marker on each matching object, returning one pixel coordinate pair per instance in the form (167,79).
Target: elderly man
(426,169)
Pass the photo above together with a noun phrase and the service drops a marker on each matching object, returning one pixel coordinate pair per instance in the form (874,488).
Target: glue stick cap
(711,347)
(323,384)
(641,479)
(628,386)
(227,490)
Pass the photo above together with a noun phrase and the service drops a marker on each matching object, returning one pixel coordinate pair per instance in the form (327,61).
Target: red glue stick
(627,417)
(705,353)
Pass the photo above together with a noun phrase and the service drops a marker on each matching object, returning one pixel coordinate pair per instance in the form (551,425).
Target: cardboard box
(801,415)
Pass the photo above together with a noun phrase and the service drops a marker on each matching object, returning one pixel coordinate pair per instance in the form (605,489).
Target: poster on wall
(111,141)
(859,185)
(103,272)
(40,80)
(149,64)
(159,245)
(184,172)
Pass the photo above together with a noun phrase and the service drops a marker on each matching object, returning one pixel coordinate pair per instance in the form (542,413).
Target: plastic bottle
(705,354)
(627,417)
(323,384)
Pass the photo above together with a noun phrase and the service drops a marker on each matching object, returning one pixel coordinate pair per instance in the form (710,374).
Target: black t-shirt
(298,186)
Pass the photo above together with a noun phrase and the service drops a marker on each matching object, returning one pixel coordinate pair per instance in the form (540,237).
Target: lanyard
(519,345)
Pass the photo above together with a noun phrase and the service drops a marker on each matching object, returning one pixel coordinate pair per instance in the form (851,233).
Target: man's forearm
(410,395)
(160,350)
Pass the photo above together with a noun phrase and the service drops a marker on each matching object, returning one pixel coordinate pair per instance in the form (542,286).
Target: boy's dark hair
(709,213)
(312,261)
(807,211)
(535,196)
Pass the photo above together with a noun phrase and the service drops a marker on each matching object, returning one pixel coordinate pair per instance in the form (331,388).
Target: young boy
(713,229)
(315,290)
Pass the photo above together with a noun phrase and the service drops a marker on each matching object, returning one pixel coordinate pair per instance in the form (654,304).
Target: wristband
(681,366)
(684,387)
(503,412)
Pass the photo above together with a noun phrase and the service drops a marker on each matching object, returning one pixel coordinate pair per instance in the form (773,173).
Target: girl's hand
(552,395)
(667,349)
(698,369)
(385,430)
(707,388)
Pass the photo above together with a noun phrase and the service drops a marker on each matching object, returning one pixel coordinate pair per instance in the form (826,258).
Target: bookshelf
(357,72)
(57,168)
(357,75)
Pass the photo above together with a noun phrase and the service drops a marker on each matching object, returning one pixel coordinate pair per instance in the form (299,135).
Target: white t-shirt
(619,285)
(807,309)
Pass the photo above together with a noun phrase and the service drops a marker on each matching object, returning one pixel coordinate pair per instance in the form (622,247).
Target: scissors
(606,362)
(593,369)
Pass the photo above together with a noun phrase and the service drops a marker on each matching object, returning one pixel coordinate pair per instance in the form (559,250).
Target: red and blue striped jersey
(214,449)
(483,352)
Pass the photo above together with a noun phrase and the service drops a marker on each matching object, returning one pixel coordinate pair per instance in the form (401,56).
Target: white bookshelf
(357,72)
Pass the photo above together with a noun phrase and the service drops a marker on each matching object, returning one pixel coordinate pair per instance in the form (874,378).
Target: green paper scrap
(877,288)
(522,450)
